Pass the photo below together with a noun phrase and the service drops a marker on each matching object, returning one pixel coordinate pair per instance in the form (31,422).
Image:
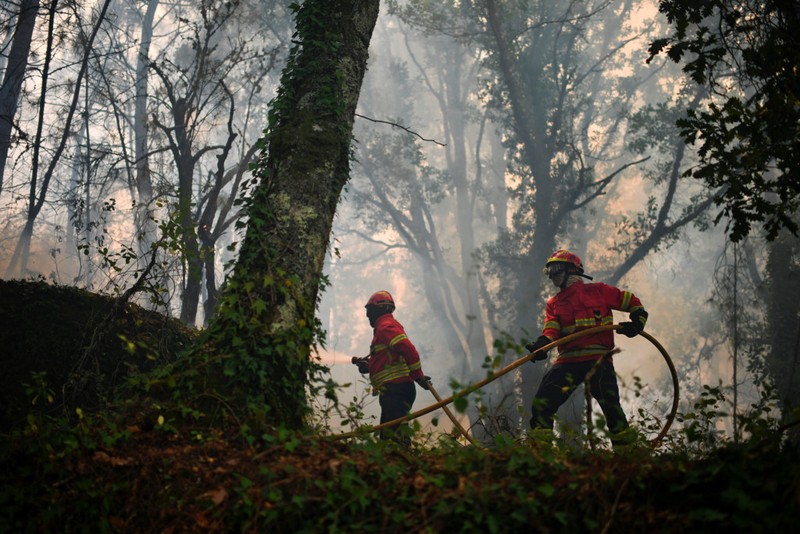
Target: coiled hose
(442,403)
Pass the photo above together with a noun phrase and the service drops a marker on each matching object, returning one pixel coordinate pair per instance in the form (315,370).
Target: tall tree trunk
(35,202)
(193,263)
(783,315)
(455,113)
(266,322)
(144,187)
(15,73)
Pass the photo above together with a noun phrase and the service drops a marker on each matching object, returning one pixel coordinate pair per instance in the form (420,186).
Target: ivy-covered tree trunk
(265,326)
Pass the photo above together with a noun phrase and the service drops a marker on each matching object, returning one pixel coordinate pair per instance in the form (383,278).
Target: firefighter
(393,365)
(579,306)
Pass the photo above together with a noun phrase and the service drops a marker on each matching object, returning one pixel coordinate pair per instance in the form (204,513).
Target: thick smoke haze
(444,208)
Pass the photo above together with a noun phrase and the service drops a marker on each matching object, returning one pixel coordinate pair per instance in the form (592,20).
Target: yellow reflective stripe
(583,324)
(415,366)
(377,348)
(552,324)
(626,300)
(390,372)
(588,322)
(397,339)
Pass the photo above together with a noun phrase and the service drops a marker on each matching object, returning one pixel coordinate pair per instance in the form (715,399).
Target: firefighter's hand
(423,382)
(628,329)
(536,345)
(362,364)
(635,326)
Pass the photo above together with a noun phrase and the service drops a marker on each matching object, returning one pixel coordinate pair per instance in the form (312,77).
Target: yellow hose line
(452,416)
(513,365)
(675,389)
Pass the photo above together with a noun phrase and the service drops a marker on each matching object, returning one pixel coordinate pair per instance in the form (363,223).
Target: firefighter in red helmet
(393,365)
(579,306)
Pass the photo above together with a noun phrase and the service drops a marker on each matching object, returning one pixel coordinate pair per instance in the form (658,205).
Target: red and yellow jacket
(392,357)
(580,307)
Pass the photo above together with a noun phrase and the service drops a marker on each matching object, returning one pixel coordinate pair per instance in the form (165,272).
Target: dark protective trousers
(396,401)
(562,379)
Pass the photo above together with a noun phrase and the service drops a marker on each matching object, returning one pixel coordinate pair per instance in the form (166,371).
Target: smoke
(399,226)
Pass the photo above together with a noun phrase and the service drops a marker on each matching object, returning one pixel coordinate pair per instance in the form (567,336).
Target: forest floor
(134,480)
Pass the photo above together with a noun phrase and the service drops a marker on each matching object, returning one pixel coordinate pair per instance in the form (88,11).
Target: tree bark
(783,320)
(14,75)
(266,324)
(144,186)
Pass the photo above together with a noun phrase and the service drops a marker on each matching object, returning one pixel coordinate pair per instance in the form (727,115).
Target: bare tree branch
(402,128)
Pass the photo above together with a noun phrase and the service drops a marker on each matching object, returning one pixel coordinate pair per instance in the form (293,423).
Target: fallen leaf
(217,496)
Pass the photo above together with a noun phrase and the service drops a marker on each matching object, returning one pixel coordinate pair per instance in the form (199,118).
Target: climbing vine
(255,362)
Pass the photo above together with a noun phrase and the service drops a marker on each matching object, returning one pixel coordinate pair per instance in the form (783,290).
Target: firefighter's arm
(550,333)
(401,345)
(411,356)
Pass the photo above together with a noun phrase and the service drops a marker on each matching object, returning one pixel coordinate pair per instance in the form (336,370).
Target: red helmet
(381,299)
(565,257)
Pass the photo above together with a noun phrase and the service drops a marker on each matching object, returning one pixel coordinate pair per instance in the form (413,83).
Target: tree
(265,327)
(38,192)
(187,102)
(652,132)
(206,92)
(14,75)
(783,324)
(746,55)
(410,188)
(579,111)
(144,182)
(195,93)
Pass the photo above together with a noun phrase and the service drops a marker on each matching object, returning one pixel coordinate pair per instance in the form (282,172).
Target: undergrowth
(104,477)
(134,465)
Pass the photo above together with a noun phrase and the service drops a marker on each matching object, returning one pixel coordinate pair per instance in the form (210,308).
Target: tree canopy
(746,54)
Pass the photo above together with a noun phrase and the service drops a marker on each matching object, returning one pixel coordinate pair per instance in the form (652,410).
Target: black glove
(423,382)
(538,344)
(635,326)
(362,364)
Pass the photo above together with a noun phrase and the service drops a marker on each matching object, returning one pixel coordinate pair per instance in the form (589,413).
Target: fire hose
(451,415)
(442,403)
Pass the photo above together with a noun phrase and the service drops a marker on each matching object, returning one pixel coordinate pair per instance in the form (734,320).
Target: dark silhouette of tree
(265,326)
(14,75)
(745,54)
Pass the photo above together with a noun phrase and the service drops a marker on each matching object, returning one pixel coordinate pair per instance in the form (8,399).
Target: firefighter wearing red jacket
(393,365)
(579,306)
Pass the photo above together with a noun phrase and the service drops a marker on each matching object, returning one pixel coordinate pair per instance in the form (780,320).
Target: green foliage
(101,476)
(122,263)
(66,348)
(746,55)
